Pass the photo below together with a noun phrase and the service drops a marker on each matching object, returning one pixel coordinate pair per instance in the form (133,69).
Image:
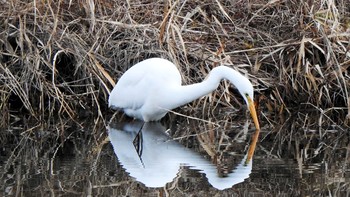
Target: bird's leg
(138,143)
(140,131)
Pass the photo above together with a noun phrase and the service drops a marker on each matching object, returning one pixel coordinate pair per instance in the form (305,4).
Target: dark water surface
(181,158)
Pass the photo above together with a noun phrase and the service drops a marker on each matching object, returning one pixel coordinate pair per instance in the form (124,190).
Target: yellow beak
(253,112)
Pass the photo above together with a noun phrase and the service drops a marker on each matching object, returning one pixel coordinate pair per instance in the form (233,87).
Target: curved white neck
(177,96)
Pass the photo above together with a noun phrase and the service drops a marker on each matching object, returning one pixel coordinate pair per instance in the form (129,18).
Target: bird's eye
(246,94)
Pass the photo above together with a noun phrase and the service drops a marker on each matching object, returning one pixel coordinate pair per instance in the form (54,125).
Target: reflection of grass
(293,158)
(63,58)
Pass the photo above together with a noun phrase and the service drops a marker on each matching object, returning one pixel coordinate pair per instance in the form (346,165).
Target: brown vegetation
(61,58)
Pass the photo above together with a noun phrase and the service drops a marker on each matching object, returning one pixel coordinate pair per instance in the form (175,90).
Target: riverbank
(62,59)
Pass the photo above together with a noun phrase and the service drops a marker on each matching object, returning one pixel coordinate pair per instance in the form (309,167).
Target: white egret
(150,88)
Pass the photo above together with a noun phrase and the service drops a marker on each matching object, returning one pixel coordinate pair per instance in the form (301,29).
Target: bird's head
(243,85)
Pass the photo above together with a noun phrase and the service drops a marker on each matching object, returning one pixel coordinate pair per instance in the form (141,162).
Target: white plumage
(149,89)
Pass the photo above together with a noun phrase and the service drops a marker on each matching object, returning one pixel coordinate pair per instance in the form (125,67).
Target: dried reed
(64,57)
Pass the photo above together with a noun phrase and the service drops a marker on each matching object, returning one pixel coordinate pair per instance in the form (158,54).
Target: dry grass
(61,58)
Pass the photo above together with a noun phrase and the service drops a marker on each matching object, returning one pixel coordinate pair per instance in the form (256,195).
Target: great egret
(152,87)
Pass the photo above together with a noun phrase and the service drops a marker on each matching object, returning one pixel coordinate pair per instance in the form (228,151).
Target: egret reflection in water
(152,158)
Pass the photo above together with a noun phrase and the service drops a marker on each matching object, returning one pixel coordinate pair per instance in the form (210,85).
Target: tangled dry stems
(64,57)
